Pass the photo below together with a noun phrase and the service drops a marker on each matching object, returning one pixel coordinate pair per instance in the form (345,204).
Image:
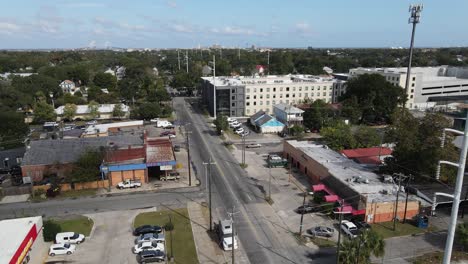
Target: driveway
(111,240)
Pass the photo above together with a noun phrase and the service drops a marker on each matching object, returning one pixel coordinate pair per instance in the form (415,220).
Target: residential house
(265,123)
(288,114)
(68,86)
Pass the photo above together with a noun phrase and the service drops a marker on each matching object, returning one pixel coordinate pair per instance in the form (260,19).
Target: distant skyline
(34,24)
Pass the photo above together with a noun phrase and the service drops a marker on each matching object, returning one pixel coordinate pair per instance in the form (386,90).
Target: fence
(16,190)
(76,186)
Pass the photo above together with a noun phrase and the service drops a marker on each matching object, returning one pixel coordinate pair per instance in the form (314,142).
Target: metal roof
(257,115)
(289,109)
(159,150)
(46,152)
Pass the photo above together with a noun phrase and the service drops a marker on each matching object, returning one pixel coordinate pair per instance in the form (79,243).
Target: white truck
(224,229)
(163,123)
(128,184)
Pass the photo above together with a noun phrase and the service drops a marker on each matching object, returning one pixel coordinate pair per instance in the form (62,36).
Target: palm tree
(462,235)
(360,249)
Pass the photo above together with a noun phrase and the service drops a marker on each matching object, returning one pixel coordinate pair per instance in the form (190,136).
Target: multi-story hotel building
(246,95)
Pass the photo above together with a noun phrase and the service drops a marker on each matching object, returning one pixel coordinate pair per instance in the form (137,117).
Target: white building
(246,95)
(288,114)
(104,112)
(68,86)
(425,82)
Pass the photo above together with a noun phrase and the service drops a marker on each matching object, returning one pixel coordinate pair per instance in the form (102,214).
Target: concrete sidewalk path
(208,250)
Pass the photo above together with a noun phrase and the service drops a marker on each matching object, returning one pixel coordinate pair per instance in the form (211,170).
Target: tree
(69,111)
(93,108)
(317,115)
(360,249)
(105,80)
(44,112)
(297,131)
(417,148)
(375,98)
(462,235)
(148,111)
(366,137)
(118,111)
(50,230)
(12,129)
(338,136)
(87,167)
(221,123)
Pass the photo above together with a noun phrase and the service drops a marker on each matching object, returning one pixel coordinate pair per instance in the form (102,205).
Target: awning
(318,187)
(346,208)
(331,198)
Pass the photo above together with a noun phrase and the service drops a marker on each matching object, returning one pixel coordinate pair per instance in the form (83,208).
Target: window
(261,96)
(305,95)
(287,95)
(233,90)
(281,89)
(261,102)
(287,101)
(261,90)
(267,102)
(273,102)
(281,96)
(274,89)
(268,96)
(414,79)
(294,89)
(318,87)
(255,103)
(412,90)
(233,104)
(255,90)
(300,88)
(233,97)
(248,111)
(268,90)
(247,97)
(274,96)
(330,93)
(233,112)
(312,88)
(287,89)
(294,95)
(411,96)
(324,93)
(412,84)
(247,104)
(300,94)
(306,88)
(248,90)
(311,94)
(255,97)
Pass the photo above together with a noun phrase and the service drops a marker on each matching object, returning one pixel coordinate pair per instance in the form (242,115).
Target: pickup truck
(276,161)
(172,176)
(128,184)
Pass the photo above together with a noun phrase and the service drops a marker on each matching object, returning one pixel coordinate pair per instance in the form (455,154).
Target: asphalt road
(233,187)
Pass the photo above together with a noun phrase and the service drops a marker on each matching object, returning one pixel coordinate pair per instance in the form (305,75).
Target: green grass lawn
(82,225)
(386,229)
(182,237)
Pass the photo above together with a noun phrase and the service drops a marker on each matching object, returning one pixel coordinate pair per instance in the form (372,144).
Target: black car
(305,209)
(150,256)
(361,225)
(146,229)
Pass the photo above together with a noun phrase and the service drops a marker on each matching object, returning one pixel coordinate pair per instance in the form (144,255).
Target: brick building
(363,191)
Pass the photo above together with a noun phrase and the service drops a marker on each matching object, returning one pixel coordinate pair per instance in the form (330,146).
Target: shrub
(169,226)
(51,228)
(39,193)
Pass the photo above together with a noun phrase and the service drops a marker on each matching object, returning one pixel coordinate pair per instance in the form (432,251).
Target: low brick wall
(77,186)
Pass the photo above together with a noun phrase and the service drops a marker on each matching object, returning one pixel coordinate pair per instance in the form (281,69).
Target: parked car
(349,228)
(230,119)
(172,176)
(167,133)
(245,133)
(169,127)
(176,148)
(239,130)
(61,249)
(91,123)
(144,229)
(323,231)
(163,123)
(128,184)
(305,209)
(236,125)
(361,224)
(253,145)
(154,120)
(69,237)
(150,256)
(150,237)
(148,246)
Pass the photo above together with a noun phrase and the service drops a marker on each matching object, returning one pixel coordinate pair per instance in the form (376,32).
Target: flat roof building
(246,95)
(364,192)
(425,82)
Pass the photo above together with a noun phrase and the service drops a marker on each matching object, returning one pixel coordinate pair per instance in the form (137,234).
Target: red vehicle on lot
(167,133)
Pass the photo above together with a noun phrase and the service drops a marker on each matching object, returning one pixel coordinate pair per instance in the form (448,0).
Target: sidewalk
(207,249)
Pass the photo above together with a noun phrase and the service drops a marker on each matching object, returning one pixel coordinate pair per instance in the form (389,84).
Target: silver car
(150,237)
(323,231)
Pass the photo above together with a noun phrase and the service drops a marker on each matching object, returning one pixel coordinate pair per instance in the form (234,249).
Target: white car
(253,145)
(230,120)
(236,125)
(147,246)
(154,120)
(240,130)
(61,249)
(69,237)
(172,136)
(349,228)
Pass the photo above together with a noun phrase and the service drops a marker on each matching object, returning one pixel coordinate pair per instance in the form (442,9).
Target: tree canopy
(87,167)
(318,115)
(372,97)
(44,112)
(12,129)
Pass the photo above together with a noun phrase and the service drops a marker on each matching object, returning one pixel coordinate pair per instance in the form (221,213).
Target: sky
(43,24)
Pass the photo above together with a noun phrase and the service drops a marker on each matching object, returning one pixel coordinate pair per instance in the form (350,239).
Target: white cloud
(9,27)
(303,28)
(181,28)
(92,44)
(171,3)
(232,30)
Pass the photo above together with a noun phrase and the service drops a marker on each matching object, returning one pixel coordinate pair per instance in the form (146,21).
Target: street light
(52,97)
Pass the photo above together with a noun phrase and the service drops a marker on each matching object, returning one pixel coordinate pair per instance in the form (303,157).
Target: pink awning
(331,198)
(359,212)
(318,187)
(346,208)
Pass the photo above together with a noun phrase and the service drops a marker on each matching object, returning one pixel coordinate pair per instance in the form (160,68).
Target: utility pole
(188,157)
(243,150)
(178,58)
(395,214)
(269,183)
(268,63)
(209,190)
(233,233)
(415,11)
(302,214)
(186,59)
(406,199)
(339,232)
(214,86)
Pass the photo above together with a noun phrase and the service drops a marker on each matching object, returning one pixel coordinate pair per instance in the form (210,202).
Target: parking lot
(286,189)
(110,241)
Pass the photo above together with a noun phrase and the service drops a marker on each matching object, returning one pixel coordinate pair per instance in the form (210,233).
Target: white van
(69,237)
